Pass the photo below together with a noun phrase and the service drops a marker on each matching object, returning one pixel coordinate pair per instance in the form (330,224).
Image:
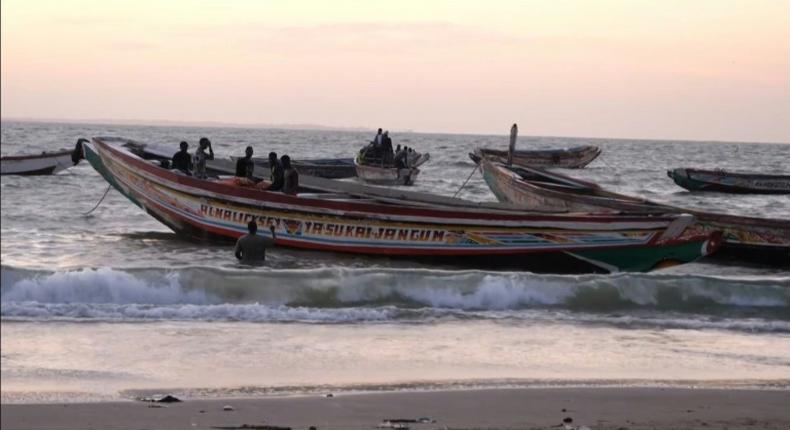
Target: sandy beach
(540,408)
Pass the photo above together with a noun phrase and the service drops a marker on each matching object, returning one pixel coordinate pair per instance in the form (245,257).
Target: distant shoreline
(318,127)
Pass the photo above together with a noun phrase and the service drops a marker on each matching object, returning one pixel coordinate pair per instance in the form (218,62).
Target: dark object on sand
(567,420)
(251,427)
(730,182)
(167,398)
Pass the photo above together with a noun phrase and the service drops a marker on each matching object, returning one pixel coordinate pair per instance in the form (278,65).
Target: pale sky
(691,69)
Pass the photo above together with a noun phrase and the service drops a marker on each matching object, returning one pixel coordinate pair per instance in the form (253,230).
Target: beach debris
(228,408)
(157,406)
(402,423)
(251,427)
(330,395)
(421,420)
(390,425)
(567,420)
(160,398)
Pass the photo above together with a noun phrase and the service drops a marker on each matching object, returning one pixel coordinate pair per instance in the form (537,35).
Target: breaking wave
(342,295)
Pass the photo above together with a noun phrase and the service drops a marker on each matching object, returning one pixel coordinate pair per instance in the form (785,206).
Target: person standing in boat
(377,141)
(291,183)
(386,149)
(182,160)
(400,158)
(251,248)
(201,157)
(245,166)
(277,173)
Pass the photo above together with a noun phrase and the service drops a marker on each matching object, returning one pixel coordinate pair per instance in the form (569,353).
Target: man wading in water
(251,248)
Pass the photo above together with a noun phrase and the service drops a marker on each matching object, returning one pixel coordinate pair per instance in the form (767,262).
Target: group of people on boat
(284,177)
(380,152)
(193,165)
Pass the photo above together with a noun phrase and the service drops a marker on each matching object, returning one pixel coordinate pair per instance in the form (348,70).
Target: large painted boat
(730,182)
(45,163)
(760,239)
(401,227)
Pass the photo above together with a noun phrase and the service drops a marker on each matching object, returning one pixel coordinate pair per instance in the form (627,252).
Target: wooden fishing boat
(371,224)
(533,188)
(46,163)
(380,174)
(331,168)
(570,158)
(730,182)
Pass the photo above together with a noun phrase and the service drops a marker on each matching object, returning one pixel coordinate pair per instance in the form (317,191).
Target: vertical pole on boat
(512,147)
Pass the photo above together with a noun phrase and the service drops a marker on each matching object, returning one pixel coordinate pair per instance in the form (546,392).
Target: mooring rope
(467,180)
(100,200)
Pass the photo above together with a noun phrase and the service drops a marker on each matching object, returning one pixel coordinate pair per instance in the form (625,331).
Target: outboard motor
(78,154)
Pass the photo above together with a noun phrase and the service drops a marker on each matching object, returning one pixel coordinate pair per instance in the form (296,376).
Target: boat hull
(743,236)
(571,158)
(209,210)
(41,164)
(728,182)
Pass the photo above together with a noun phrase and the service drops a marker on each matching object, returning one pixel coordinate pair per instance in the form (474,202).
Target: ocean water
(112,305)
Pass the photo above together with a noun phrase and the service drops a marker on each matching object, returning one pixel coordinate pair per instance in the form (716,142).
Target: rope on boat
(100,200)
(466,181)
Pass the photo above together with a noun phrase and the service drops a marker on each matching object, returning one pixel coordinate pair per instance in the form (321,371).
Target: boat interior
(311,187)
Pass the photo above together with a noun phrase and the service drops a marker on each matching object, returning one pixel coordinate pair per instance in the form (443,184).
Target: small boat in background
(376,171)
(536,189)
(730,182)
(571,158)
(46,163)
(330,168)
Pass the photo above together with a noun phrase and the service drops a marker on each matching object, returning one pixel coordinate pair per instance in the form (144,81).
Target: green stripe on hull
(95,161)
(642,259)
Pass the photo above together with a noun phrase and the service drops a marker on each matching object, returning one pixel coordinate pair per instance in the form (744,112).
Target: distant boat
(45,163)
(379,174)
(399,226)
(730,182)
(331,168)
(536,189)
(570,158)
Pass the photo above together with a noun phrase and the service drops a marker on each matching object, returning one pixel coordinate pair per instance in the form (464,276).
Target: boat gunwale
(444,213)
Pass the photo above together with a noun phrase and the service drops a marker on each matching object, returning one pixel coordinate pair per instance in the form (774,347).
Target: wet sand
(541,408)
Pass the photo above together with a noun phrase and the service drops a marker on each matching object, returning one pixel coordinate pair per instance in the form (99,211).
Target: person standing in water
(201,157)
(182,160)
(251,248)
(245,165)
